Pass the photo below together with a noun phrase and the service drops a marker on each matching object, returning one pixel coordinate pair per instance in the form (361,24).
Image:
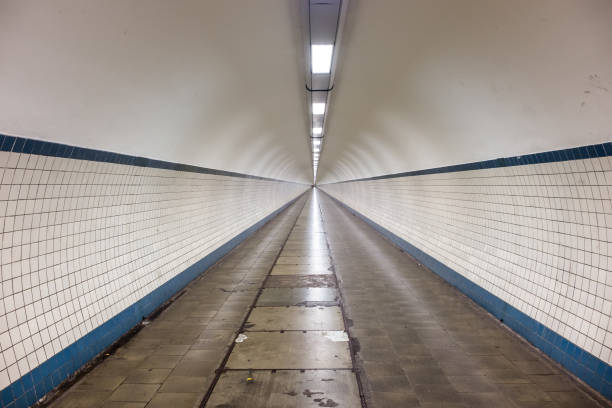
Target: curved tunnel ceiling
(419,84)
(422,84)
(206,83)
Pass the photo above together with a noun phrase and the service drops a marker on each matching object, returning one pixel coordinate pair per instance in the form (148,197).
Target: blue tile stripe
(31,387)
(17,144)
(576,153)
(581,363)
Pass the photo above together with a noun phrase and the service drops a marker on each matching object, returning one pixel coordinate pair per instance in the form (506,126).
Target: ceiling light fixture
(317,131)
(322,58)
(318,108)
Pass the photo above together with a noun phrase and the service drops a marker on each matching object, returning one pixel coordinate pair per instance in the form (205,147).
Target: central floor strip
(293,349)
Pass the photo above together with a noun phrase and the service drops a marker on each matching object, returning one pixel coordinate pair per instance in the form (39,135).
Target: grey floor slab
(298,297)
(79,399)
(304,252)
(134,392)
(300,281)
(303,249)
(301,270)
(287,389)
(176,400)
(291,350)
(304,260)
(295,318)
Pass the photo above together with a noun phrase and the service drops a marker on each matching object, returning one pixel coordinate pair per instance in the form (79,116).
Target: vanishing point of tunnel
(305,203)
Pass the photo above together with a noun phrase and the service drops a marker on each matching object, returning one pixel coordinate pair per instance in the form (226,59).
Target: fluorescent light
(321,58)
(317,131)
(318,108)
(316,149)
(316,142)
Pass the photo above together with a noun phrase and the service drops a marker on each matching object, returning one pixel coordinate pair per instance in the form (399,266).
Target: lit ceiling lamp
(318,108)
(322,58)
(317,131)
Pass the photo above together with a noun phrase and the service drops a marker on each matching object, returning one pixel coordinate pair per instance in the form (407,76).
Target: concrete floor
(280,309)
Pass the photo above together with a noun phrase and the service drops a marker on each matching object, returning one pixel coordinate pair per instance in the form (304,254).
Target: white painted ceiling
(218,84)
(428,83)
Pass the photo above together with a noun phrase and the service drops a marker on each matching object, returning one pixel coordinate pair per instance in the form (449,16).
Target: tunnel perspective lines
(317,309)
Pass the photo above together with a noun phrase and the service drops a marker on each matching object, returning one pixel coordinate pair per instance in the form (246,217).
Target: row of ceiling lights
(322,23)
(321,61)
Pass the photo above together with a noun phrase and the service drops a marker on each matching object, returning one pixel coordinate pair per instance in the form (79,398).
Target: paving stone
(134,392)
(120,404)
(394,400)
(301,270)
(298,297)
(148,376)
(175,400)
(291,350)
(195,368)
(172,350)
(295,318)
(322,261)
(300,281)
(80,399)
(287,389)
(177,383)
(99,383)
(305,252)
(160,361)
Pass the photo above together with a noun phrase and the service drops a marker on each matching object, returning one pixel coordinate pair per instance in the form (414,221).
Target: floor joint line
(219,371)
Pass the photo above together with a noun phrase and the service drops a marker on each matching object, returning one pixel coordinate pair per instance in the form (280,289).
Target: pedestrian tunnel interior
(340,203)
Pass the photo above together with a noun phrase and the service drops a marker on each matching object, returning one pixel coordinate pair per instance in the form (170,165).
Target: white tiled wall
(539,236)
(82,240)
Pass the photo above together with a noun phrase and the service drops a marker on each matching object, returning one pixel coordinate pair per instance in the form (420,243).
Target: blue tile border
(48,375)
(575,153)
(581,363)
(17,144)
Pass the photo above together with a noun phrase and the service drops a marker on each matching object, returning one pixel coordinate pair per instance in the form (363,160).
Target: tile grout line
(219,371)
(352,351)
